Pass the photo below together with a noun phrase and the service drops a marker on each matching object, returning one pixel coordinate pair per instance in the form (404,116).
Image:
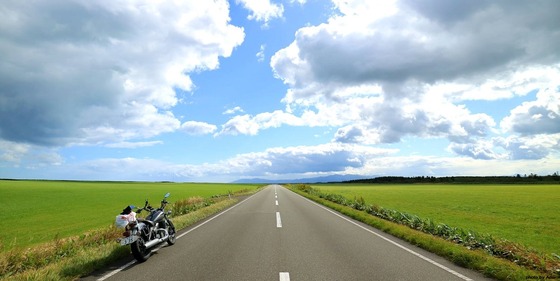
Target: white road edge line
(284,276)
(278,220)
(106,276)
(394,243)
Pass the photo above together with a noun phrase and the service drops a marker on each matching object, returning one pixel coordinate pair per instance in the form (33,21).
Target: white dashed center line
(278,220)
(284,276)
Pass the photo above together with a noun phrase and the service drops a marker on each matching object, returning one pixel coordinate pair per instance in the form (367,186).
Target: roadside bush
(184,206)
(19,260)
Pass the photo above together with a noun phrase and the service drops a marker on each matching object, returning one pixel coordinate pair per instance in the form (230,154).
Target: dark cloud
(537,120)
(327,158)
(393,122)
(473,150)
(350,134)
(94,72)
(330,161)
(446,12)
(47,107)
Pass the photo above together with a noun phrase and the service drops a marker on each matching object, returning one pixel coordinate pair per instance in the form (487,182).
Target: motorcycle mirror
(166,195)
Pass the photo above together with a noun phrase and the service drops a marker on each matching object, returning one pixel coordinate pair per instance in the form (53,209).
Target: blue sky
(216,91)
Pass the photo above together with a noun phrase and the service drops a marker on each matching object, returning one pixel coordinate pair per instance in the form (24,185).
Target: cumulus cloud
(530,147)
(305,161)
(198,128)
(541,116)
(28,156)
(404,68)
(418,43)
(474,150)
(90,72)
(251,125)
(234,110)
(350,134)
(330,157)
(280,162)
(262,10)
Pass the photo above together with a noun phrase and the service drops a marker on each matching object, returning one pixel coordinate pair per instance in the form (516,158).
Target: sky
(217,91)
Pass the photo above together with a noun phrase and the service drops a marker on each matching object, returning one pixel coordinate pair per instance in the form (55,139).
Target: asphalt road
(279,235)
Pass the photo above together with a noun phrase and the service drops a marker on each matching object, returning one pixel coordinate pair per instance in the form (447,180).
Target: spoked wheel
(171,231)
(139,250)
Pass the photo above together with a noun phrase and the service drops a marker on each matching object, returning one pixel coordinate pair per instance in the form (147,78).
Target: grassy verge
(476,259)
(70,258)
(524,213)
(38,211)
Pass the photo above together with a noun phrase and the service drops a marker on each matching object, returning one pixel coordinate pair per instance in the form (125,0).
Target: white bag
(121,221)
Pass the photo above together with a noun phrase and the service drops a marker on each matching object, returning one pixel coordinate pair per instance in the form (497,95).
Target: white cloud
(251,125)
(411,45)
(443,166)
(260,54)
(503,85)
(326,158)
(406,70)
(234,110)
(301,2)
(481,150)
(262,10)
(28,156)
(541,116)
(91,72)
(273,162)
(301,162)
(530,147)
(240,125)
(126,144)
(198,128)
(11,152)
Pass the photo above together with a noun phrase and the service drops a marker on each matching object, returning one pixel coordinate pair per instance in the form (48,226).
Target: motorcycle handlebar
(149,208)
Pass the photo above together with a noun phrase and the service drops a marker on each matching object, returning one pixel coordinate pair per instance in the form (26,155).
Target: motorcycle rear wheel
(139,251)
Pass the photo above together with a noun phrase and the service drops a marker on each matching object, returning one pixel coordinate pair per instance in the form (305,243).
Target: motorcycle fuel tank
(156,216)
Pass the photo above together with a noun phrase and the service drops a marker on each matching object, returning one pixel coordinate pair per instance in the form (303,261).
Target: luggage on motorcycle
(121,221)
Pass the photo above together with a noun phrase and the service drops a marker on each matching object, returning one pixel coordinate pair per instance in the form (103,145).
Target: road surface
(278,235)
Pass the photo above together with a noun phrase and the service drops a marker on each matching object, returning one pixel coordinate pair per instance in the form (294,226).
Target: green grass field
(38,211)
(527,214)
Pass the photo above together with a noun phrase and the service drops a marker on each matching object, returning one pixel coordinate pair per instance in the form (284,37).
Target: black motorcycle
(143,234)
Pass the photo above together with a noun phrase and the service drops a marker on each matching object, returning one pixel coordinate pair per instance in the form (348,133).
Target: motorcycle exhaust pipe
(154,242)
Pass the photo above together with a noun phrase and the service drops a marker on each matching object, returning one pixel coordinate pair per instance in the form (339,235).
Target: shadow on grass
(82,269)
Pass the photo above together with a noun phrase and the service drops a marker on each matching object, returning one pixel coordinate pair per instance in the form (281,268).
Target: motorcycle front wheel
(139,251)
(171,231)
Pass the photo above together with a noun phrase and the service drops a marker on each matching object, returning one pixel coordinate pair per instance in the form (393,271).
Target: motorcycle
(143,234)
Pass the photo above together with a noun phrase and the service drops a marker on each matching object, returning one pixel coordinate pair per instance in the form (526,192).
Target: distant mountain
(325,179)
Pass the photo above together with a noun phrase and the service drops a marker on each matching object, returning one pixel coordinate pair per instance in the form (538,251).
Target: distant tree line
(520,179)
